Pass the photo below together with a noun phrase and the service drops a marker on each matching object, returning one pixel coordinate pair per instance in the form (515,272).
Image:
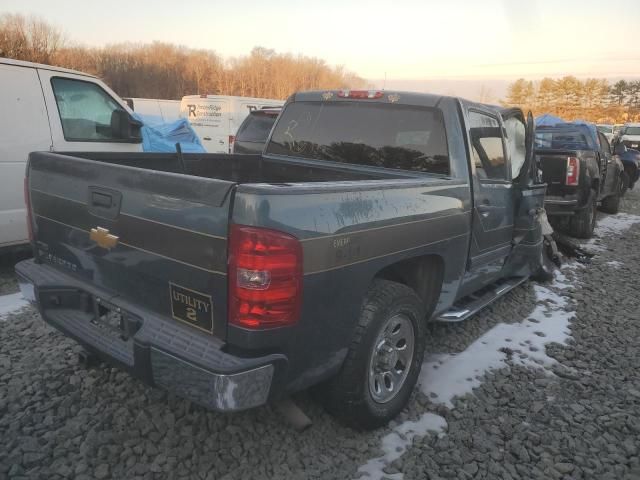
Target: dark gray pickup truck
(236,279)
(581,172)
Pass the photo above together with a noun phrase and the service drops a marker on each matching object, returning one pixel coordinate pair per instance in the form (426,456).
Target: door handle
(485,210)
(206,138)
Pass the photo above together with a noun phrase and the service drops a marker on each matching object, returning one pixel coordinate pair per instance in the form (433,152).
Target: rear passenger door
(492,224)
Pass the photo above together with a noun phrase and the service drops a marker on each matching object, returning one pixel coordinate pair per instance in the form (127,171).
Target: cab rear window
(561,140)
(372,134)
(256,128)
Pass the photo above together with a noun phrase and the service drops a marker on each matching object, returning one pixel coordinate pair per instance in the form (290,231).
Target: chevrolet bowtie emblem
(103,238)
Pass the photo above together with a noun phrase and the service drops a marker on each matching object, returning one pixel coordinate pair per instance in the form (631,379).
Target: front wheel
(581,225)
(625,178)
(611,204)
(384,358)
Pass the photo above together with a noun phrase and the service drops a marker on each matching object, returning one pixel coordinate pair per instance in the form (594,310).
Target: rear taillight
(232,141)
(265,278)
(360,94)
(573,171)
(27,202)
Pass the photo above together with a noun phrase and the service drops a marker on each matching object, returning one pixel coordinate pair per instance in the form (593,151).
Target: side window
(86,110)
(487,148)
(604,143)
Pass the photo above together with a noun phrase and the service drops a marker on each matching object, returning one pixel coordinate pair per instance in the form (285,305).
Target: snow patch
(11,303)
(449,375)
(615,224)
(608,226)
(614,264)
(396,443)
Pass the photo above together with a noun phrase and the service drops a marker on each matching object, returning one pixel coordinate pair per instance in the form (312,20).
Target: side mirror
(124,127)
(619,148)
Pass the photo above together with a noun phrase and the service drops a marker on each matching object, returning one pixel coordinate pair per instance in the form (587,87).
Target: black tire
(626,182)
(347,396)
(581,225)
(611,204)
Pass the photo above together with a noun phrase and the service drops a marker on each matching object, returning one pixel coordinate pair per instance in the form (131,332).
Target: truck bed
(240,168)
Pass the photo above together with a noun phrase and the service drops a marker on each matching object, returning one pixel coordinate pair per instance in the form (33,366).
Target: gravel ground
(577,418)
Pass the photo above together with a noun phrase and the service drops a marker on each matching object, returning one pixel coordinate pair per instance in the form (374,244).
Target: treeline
(161,70)
(592,99)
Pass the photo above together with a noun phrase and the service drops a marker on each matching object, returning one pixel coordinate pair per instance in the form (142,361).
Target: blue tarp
(162,137)
(548,120)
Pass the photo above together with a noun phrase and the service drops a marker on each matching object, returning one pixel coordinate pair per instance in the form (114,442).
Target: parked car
(52,109)
(630,159)
(254,131)
(216,118)
(318,262)
(155,110)
(629,135)
(616,129)
(606,130)
(581,171)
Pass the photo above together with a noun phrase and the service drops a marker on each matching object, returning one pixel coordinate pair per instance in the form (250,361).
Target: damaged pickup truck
(234,280)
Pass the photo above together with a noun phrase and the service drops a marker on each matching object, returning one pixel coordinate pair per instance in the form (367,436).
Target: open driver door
(527,253)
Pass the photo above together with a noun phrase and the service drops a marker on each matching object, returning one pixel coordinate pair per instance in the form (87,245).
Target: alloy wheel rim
(391,358)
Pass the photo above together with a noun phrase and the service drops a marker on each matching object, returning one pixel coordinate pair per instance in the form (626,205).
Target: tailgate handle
(103,200)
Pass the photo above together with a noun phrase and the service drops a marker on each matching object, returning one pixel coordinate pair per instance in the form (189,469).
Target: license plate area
(105,316)
(91,320)
(114,321)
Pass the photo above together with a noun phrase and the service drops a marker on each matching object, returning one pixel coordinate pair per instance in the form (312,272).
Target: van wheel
(582,223)
(611,204)
(384,358)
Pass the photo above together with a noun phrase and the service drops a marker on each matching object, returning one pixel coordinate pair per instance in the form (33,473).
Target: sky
(449,45)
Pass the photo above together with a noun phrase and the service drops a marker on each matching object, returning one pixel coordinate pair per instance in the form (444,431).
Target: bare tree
(29,38)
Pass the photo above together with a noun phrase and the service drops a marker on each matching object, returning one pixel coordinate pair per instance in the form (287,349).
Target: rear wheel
(384,358)
(581,225)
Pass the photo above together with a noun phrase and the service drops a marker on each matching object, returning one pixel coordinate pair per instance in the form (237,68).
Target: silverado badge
(327,95)
(103,238)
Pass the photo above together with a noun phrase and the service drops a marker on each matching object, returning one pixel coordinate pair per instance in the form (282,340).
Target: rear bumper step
(472,304)
(155,349)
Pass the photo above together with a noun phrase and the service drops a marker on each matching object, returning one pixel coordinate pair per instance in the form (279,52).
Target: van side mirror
(124,127)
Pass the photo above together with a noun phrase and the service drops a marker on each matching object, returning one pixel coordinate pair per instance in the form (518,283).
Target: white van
(155,110)
(50,108)
(216,118)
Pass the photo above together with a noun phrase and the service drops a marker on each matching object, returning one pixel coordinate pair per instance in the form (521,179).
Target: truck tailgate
(155,237)
(554,166)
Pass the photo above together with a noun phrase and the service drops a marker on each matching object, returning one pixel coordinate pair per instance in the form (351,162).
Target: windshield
(605,128)
(631,131)
(374,134)
(561,140)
